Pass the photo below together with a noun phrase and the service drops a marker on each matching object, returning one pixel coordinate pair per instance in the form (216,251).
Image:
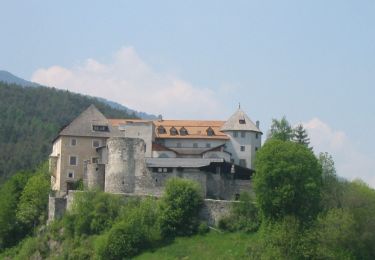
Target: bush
(135,231)
(179,208)
(283,239)
(243,216)
(203,228)
(92,213)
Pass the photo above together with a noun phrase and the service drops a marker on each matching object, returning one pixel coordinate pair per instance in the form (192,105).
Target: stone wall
(212,210)
(94,176)
(56,207)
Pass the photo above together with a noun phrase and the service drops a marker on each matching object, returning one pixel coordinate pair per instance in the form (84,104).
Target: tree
(180,207)
(300,135)
(287,181)
(281,130)
(10,192)
(33,204)
(332,186)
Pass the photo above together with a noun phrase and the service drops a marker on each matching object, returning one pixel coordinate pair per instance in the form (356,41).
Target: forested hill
(30,118)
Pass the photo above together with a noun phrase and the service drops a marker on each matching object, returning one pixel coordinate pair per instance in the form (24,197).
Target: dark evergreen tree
(300,136)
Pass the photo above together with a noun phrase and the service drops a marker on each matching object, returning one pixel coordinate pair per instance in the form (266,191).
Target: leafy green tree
(33,204)
(180,207)
(359,200)
(287,181)
(333,236)
(281,130)
(332,186)
(300,135)
(10,192)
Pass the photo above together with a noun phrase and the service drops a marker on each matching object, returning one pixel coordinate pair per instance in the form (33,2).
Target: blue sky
(313,61)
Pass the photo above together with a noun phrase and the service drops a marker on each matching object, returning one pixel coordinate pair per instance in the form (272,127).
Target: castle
(136,156)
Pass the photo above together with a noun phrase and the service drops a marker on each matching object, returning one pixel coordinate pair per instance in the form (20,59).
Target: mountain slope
(30,118)
(9,78)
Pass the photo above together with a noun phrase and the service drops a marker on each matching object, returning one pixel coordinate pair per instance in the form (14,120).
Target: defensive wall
(211,211)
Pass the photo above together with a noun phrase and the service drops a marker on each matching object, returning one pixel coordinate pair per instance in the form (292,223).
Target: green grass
(213,245)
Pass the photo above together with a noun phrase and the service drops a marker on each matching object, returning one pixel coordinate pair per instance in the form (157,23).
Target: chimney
(160,117)
(257,123)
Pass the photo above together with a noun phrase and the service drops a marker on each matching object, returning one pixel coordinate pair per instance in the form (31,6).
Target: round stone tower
(126,161)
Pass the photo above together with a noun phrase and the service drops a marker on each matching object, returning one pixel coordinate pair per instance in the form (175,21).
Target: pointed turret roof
(239,121)
(83,125)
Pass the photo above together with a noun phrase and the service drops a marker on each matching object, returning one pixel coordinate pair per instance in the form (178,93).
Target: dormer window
(210,131)
(173,131)
(242,121)
(183,131)
(161,130)
(100,128)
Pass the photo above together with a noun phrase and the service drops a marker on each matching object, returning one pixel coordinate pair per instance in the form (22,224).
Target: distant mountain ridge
(9,78)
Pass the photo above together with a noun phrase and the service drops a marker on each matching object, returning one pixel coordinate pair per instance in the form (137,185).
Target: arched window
(173,131)
(161,130)
(183,131)
(210,131)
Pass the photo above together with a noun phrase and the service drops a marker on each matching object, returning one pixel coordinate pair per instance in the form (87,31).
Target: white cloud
(350,161)
(128,80)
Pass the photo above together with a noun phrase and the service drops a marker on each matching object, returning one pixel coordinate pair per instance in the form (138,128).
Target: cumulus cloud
(128,80)
(350,161)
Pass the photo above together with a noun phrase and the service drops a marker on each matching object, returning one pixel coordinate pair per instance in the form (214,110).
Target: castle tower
(245,138)
(126,162)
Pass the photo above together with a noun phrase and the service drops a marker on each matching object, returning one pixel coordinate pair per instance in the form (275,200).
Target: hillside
(9,78)
(32,117)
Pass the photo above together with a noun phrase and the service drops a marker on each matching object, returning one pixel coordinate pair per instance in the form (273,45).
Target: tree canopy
(287,180)
(281,130)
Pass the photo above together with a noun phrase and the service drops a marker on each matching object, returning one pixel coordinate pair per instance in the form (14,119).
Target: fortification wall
(212,210)
(56,207)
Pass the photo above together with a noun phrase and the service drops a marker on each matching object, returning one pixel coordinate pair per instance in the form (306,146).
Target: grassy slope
(213,245)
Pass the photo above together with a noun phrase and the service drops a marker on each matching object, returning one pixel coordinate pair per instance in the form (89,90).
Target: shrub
(92,213)
(135,231)
(179,208)
(203,228)
(243,216)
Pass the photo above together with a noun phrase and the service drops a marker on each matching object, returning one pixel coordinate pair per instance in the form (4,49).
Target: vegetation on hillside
(108,226)
(301,210)
(32,117)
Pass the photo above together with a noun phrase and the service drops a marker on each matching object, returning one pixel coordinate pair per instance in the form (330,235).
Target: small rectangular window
(256,136)
(95,143)
(70,174)
(242,148)
(243,134)
(165,169)
(94,159)
(242,121)
(256,148)
(73,160)
(235,133)
(73,142)
(160,169)
(100,128)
